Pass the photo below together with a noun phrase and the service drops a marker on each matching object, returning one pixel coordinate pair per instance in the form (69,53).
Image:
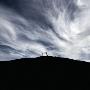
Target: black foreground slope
(48,73)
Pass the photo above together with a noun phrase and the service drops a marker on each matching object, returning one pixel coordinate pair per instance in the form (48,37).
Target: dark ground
(45,73)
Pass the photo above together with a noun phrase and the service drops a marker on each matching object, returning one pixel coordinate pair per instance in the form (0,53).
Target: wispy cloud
(59,27)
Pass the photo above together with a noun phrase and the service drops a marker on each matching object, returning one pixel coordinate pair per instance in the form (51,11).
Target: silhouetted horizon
(51,59)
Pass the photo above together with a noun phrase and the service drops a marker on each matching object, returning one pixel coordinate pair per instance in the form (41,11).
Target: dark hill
(49,73)
(49,59)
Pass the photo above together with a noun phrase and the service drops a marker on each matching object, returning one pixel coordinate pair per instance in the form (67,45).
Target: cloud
(59,27)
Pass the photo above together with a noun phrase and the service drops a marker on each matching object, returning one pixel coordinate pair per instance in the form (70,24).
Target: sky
(29,28)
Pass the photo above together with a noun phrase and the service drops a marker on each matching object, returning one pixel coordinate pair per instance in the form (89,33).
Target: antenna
(42,54)
(46,54)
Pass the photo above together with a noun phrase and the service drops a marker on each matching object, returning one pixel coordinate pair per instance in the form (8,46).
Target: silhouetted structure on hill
(45,54)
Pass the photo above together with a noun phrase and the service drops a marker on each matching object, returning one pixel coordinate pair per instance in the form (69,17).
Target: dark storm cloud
(9,3)
(35,9)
